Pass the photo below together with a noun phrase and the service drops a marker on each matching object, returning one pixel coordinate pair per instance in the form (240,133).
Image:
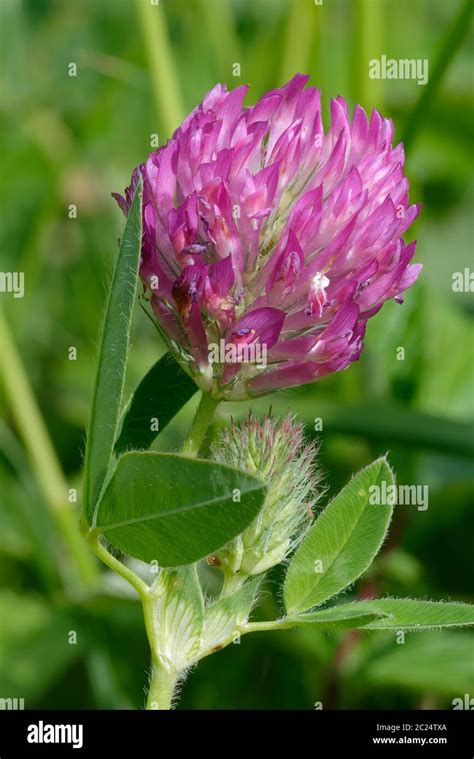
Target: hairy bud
(274,450)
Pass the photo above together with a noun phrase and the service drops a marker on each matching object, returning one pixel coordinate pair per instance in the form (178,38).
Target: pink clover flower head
(268,242)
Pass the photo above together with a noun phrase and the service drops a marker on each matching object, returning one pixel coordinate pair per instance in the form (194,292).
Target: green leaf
(342,543)
(159,396)
(112,359)
(224,617)
(174,509)
(411,614)
(336,618)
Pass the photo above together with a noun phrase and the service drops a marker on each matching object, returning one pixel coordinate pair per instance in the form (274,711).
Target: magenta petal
(221,275)
(258,210)
(287,268)
(121,201)
(197,337)
(262,325)
(409,276)
(286,375)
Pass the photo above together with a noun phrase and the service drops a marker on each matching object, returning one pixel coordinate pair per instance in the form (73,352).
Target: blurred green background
(70,635)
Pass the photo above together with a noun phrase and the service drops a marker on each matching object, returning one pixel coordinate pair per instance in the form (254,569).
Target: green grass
(74,140)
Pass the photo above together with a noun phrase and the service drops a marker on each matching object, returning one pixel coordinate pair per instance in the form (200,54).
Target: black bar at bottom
(140,733)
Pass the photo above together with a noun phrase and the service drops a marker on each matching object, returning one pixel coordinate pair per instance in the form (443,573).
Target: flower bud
(274,450)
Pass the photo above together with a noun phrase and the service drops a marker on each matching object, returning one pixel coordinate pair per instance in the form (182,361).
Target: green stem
(274,624)
(117,566)
(163,681)
(250,627)
(162,687)
(45,464)
(200,424)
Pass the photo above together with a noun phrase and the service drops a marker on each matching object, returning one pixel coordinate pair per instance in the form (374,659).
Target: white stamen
(319,282)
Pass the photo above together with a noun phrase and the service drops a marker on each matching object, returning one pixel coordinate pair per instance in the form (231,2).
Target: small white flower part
(317,294)
(319,281)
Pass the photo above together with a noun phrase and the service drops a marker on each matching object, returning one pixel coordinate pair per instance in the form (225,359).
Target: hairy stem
(162,681)
(274,624)
(113,563)
(200,424)
(162,687)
